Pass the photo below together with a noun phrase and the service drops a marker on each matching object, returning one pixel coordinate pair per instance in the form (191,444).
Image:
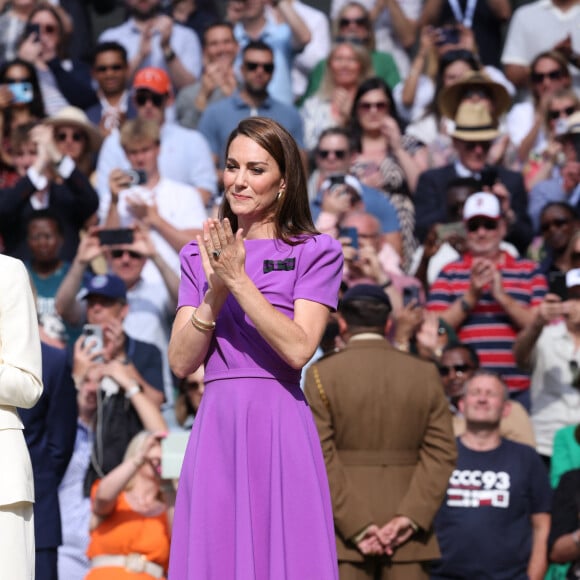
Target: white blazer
(20,378)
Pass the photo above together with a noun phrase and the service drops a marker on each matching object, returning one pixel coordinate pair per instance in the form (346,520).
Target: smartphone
(115,237)
(33,29)
(21,92)
(557,284)
(488,176)
(411,293)
(137,176)
(337,179)
(447,35)
(172,452)
(351,233)
(445,231)
(93,337)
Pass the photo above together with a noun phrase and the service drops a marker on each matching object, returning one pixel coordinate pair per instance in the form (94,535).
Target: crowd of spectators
(441,142)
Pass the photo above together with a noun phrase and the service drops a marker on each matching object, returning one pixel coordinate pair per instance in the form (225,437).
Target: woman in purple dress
(256,289)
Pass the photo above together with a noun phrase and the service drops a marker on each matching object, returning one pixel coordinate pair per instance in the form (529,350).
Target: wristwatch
(168,54)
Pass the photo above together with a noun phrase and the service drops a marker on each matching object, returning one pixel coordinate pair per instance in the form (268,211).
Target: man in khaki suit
(386,435)
(20,386)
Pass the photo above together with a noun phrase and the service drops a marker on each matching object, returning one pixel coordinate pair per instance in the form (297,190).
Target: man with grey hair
(498,497)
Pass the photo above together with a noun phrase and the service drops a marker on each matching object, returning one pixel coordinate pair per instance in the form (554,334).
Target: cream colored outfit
(20,386)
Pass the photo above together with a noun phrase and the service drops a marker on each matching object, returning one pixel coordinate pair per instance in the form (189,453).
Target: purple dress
(253,501)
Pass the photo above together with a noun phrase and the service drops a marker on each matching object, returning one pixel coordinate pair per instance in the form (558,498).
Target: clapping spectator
(76,137)
(218,79)
(153,39)
(48,179)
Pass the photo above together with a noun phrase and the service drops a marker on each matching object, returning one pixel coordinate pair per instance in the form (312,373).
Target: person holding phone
(173,212)
(255,294)
(63,81)
(546,348)
(132,513)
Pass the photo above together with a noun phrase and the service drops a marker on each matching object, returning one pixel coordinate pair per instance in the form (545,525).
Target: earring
(280,194)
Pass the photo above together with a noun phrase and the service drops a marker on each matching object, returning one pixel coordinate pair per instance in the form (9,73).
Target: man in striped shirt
(487,295)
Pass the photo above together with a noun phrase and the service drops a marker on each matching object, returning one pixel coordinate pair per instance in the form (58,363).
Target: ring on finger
(216,254)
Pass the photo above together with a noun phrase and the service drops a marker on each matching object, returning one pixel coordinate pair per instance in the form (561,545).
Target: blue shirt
(221,118)
(483,527)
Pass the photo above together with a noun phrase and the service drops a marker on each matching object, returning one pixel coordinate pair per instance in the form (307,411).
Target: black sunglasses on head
(488,224)
(142,96)
(265,66)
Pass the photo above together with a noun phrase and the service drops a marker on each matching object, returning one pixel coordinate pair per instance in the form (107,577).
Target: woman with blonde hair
(132,516)
(347,66)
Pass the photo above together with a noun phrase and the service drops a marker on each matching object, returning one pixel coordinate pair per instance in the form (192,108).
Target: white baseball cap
(573,278)
(481,204)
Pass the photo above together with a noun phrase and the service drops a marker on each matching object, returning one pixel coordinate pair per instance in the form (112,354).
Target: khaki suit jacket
(20,378)
(387,440)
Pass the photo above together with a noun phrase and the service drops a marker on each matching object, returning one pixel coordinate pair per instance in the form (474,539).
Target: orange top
(125,531)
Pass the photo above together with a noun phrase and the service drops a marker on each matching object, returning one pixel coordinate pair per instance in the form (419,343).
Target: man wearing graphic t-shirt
(495,519)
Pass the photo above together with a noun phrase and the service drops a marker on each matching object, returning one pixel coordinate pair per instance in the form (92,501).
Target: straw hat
(474,122)
(77,118)
(450,97)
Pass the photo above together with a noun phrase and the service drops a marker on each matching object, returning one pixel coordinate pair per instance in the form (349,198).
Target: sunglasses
(76,136)
(338,153)
(265,66)
(557,223)
(557,113)
(120,253)
(380,106)
(361,21)
(473,145)
(485,223)
(553,75)
(444,371)
(142,97)
(105,67)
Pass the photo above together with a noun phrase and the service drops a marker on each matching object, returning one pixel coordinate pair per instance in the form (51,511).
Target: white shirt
(538,27)
(178,204)
(555,403)
(184,156)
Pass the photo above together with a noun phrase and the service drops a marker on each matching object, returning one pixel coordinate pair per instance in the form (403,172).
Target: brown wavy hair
(292,218)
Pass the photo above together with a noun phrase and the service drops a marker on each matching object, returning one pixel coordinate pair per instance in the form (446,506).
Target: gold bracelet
(201,325)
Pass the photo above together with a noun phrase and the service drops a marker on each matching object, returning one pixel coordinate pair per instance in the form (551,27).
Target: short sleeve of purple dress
(253,499)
